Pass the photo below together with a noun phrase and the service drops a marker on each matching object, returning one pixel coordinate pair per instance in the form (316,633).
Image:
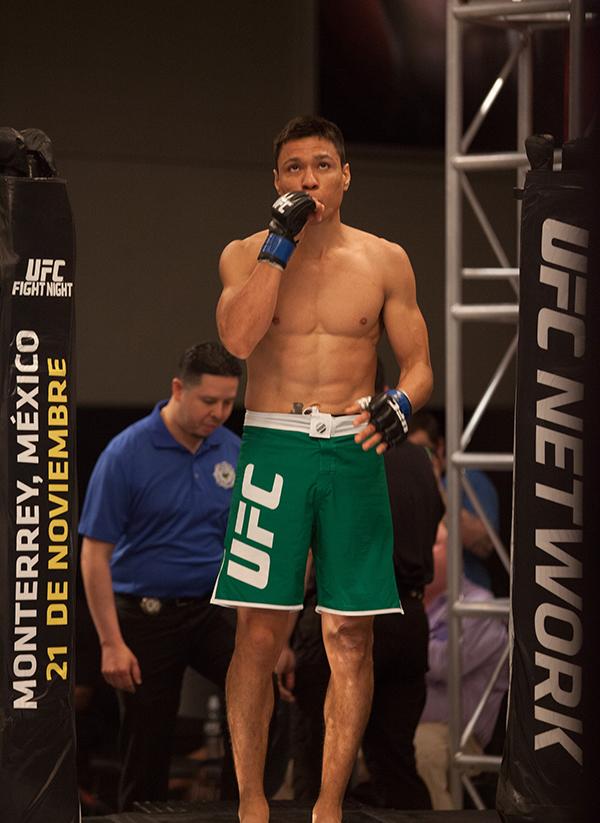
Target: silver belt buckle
(150,605)
(320,425)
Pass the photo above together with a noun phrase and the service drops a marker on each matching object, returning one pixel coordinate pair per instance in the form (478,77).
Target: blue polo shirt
(475,569)
(164,508)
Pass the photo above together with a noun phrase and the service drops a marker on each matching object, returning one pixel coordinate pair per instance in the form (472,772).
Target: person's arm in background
(104,518)
(286,665)
(436,606)
(474,534)
(285,668)
(120,667)
(438,651)
(482,639)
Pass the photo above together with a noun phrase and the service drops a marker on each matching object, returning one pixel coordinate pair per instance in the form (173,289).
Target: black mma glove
(390,412)
(289,213)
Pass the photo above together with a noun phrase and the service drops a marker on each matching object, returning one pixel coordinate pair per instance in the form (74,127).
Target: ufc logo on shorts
(260,560)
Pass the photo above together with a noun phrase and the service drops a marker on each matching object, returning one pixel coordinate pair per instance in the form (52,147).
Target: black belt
(156,605)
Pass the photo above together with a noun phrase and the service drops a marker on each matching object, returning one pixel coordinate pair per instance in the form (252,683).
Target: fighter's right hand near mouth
(251,271)
(289,215)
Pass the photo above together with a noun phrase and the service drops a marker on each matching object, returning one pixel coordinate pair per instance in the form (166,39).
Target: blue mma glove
(390,412)
(289,214)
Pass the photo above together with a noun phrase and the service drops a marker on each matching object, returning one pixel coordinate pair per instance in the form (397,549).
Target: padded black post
(542,771)
(37,495)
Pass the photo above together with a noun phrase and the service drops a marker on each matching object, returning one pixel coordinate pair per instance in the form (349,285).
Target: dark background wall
(162,117)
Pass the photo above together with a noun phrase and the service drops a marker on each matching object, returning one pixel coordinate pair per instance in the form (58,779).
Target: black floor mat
(284,811)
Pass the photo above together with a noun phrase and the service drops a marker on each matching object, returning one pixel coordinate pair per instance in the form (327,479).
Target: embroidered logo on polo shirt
(224,474)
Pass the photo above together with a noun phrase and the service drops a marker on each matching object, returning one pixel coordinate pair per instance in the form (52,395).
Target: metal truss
(522,18)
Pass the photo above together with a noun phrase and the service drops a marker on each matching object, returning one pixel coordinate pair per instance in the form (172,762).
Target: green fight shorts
(302,482)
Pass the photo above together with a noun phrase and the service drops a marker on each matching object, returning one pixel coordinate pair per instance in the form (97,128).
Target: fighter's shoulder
(385,251)
(244,247)
(239,256)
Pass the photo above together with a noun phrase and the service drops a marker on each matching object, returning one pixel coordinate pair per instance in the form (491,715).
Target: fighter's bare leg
(260,637)
(349,646)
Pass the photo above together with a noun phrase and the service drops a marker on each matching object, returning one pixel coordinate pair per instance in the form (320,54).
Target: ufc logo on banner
(258,558)
(39,270)
(565,273)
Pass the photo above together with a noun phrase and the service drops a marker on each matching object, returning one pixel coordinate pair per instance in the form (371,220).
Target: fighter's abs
(321,369)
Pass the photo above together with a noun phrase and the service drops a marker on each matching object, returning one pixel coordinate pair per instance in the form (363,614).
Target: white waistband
(336,426)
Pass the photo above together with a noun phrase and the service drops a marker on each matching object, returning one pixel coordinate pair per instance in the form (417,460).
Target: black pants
(400,664)
(197,635)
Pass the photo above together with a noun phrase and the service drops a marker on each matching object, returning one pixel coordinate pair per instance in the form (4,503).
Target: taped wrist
(277,249)
(403,401)
(390,412)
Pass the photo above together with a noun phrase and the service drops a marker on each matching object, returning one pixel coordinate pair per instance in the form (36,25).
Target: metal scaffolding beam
(523,17)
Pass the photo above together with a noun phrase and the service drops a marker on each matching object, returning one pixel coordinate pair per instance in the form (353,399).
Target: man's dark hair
(207,358)
(427,422)
(308,125)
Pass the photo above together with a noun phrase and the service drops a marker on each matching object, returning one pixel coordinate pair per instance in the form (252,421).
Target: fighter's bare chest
(321,298)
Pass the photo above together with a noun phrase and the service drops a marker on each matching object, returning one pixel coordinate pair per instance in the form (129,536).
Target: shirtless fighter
(304,303)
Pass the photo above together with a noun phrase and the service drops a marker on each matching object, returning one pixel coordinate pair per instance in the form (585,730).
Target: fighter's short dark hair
(210,357)
(309,125)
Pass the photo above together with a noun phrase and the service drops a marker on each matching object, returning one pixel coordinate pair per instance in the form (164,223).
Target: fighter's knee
(351,640)
(260,638)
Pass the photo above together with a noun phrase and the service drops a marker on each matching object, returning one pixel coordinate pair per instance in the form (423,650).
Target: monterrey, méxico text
(559,446)
(34,515)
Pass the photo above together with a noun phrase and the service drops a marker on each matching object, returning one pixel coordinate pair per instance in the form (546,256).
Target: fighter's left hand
(368,437)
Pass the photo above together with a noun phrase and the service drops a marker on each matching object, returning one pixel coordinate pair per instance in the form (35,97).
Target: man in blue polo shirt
(153,526)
